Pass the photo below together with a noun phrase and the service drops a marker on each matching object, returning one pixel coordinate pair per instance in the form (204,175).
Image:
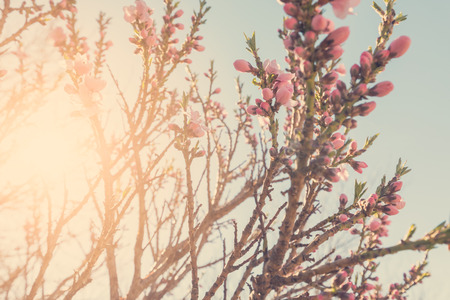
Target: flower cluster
(148,41)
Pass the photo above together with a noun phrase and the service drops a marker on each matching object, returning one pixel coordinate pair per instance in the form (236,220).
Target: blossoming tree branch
(185,200)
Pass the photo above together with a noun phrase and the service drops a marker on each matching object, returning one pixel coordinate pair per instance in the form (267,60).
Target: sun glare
(49,148)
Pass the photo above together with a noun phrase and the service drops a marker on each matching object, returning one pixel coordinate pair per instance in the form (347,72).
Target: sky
(412,120)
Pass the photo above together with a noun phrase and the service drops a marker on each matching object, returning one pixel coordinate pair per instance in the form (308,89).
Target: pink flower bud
(343,200)
(300,51)
(358,166)
(330,78)
(336,37)
(335,97)
(343,218)
(399,46)
(251,109)
(350,123)
(310,37)
(361,90)
(267,94)
(199,48)
(354,71)
(367,108)
(337,140)
(290,9)
(328,120)
(217,91)
(265,106)
(400,205)
(242,65)
(290,23)
(381,89)
(366,60)
(382,56)
(331,174)
(178,13)
(319,23)
(335,52)
(396,186)
(390,210)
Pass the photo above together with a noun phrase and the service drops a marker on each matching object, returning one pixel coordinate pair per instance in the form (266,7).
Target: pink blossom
(271,66)
(217,91)
(3,73)
(196,130)
(196,127)
(342,173)
(143,12)
(284,78)
(81,65)
(242,65)
(70,89)
(283,95)
(139,12)
(336,37)
(129,13)
(342,8)
(381,89)
(267,94)
(399,46)
(94,84)
(58,36)
(341,69)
